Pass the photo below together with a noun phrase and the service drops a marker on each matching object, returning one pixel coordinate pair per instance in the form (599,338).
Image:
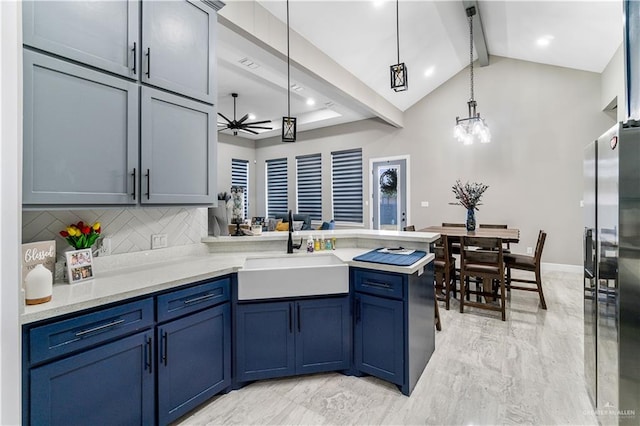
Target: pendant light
(288,123)
(472,127)
(399,74)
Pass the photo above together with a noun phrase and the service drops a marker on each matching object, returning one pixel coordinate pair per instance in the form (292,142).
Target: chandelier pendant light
(399,73)
(472,127)
(289,124)
(241,124)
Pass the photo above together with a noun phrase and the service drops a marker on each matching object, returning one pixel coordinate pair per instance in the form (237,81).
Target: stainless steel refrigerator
(612,274)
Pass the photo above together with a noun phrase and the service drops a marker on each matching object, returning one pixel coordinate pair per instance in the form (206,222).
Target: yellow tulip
(96,226)
(71,231)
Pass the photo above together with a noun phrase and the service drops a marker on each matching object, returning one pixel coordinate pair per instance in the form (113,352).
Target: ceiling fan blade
(243,119)
(258,122)
(258,127)
(222,115)
(249,131)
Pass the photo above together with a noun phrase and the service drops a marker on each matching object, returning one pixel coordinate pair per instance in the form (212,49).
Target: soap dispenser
(310,244)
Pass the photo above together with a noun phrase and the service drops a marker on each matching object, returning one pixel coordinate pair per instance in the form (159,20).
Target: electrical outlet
(104,247)
(158,241)
(424,204)
(529,250)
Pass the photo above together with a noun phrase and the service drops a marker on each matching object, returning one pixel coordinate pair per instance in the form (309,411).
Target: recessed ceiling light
(252,116)
(311,102)
(429,71)
(378,3)
(544,41)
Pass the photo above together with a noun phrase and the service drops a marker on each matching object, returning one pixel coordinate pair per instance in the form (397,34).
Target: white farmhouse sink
(291,276)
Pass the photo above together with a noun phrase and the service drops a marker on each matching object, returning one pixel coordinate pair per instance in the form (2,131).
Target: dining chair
(507,245)
(527,263)
(487,265)
(435,298)
(445,270)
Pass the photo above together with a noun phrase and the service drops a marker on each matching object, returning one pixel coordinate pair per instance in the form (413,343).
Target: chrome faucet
(290,245)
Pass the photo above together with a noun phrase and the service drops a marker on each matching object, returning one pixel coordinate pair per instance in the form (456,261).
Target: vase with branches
(468,196)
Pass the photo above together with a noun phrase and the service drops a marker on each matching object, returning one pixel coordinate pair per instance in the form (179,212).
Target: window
(277,199)
(309,185)
(346,185)
(240,177)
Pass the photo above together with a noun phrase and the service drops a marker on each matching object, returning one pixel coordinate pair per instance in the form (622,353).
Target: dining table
(508,235)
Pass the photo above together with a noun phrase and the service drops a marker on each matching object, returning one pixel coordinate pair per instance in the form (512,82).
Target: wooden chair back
(542,236)
(490,255)
(492,226)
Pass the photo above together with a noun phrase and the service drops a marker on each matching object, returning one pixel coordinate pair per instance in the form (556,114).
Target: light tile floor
(527,370)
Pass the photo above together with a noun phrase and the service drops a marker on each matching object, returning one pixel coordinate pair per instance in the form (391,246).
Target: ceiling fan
(241,124)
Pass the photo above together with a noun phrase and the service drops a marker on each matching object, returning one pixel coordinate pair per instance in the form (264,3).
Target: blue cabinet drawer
(63,337)
(192,299)
(378,283)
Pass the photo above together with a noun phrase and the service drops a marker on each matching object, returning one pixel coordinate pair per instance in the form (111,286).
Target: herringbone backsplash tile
(130,229)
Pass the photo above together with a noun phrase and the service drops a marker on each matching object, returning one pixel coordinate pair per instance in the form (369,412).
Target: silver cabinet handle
(100,327)
(378,284)
(200,299)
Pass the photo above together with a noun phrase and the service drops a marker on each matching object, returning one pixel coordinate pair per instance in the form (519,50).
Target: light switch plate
(158,241)
(424,204)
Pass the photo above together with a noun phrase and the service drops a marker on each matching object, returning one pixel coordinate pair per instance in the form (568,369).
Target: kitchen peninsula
(154,315)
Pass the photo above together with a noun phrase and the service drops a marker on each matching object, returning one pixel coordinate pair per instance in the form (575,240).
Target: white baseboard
(559,267)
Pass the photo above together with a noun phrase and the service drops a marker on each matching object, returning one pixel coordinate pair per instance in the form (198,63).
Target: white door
(389,179)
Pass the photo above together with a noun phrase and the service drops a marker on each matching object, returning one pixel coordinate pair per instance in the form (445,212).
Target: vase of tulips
(81,235)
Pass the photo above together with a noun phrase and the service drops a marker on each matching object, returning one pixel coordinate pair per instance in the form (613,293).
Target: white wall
(612,88)
(541,117)
(10,201)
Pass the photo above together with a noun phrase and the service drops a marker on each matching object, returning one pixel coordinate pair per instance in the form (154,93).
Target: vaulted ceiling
(360,36)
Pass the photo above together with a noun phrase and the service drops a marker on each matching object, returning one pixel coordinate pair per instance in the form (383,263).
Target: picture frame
(79,265)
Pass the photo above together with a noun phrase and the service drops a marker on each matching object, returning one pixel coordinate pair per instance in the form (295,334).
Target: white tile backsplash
(130,229)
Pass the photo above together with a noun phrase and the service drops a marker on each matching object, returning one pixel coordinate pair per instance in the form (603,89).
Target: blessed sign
(41,252)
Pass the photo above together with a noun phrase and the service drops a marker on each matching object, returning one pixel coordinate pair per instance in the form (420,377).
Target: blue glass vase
(471,220)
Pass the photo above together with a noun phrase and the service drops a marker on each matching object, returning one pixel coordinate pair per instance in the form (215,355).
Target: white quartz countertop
(146,276)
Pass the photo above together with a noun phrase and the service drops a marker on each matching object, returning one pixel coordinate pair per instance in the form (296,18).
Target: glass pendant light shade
(472,127)
(289,129)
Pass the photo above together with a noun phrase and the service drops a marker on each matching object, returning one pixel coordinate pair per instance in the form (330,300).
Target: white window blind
(277,199)
(240,177)
(309,185)
(346,185)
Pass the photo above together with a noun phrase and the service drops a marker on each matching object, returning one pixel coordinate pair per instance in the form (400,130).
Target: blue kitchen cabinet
(112,384)
(379,337)
(323,335)
(194,361)
(394,324)
(275,339)
(264,341)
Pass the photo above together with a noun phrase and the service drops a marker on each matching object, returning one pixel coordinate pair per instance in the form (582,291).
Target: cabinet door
(178,39)
(113,383)
(102,34)
(80,134)
(379,337)
(178,149)
(194,361)
(323,335)
(264,341)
